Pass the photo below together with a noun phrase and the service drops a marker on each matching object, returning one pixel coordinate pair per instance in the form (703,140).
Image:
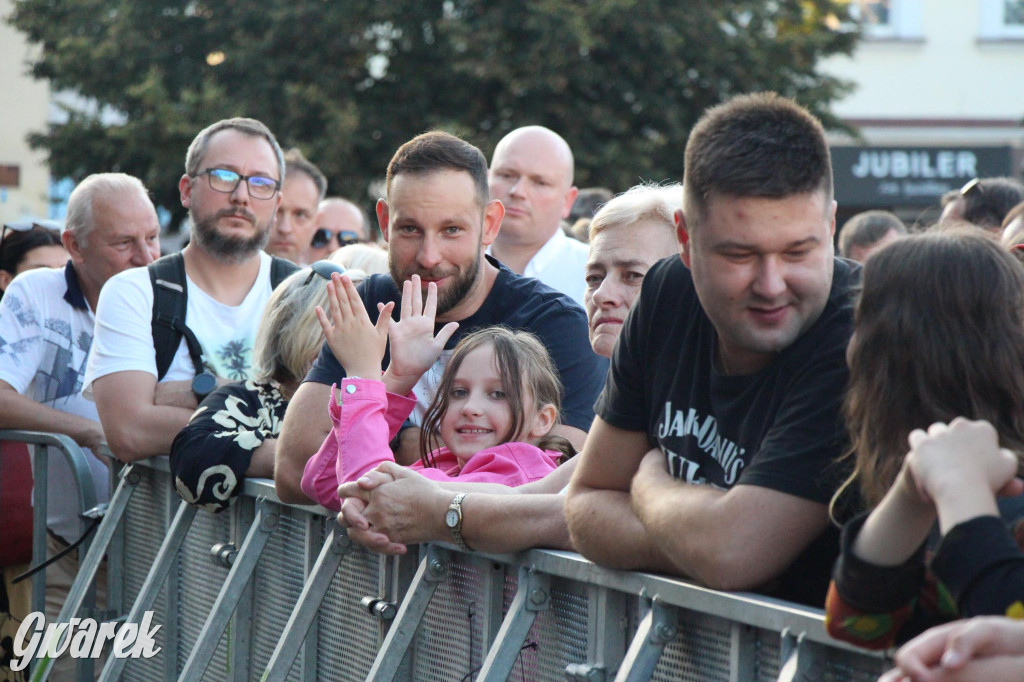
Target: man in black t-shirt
(438,219)
(713,452)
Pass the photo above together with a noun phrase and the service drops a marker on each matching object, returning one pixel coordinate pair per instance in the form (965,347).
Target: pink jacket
(371,417)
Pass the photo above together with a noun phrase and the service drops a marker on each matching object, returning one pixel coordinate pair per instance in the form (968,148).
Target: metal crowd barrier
(268,591)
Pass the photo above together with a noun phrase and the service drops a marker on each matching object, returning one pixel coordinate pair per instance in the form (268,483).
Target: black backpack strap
(170,300)
(280,268)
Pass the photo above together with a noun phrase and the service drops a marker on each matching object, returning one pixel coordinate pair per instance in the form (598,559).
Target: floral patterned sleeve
(209,457)
(878,607)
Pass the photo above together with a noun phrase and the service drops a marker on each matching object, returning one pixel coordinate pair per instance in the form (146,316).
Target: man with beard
(438,220)
(231,188)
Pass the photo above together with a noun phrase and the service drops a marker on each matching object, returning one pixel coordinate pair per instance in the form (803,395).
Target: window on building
(888,19)
(1002,19)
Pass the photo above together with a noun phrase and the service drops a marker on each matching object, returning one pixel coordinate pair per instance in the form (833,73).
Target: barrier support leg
(432,570)
(306,608)
(264,524)
(162,566)
(533,595)
(88,567)
(657,629)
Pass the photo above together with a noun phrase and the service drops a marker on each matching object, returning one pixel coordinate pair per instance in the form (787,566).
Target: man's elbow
(727,568)
(130,445)
(288,482)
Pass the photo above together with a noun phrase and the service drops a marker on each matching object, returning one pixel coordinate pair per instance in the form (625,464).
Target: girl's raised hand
(414,346)
(947,459)
(356,342)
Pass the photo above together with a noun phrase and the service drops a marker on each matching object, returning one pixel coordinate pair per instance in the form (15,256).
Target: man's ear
(493,214)
(570,199)
(67,238)
(383,217)
(832,221)
(543,422)
(5,279)
(185,189)
(683,237)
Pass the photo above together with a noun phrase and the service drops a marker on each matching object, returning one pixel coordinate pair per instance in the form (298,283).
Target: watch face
(451,518)
(203,384)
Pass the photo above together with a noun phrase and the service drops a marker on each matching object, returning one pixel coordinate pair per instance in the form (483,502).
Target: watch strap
(456,506)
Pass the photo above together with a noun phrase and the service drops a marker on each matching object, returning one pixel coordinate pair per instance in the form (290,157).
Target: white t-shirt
(46,330)
(124,333)
(561,264)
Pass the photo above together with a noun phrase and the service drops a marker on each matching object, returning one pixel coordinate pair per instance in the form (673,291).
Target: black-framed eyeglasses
(322,237)
(27,226)
(226,181)
(972,187)
(324,268)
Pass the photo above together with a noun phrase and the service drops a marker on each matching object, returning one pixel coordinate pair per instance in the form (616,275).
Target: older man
(630,234)
(437,220)
(231,185)
(46,332)
(531,174)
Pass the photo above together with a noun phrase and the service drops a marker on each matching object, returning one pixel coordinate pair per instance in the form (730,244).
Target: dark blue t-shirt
(516,302)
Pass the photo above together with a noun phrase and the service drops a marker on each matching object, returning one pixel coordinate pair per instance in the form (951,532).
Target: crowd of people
(681,378)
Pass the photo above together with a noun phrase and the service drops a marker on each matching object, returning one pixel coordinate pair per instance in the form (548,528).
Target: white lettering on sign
(885,164)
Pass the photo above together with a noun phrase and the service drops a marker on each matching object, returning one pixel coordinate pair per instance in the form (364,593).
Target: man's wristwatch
(453,519)
(203,384)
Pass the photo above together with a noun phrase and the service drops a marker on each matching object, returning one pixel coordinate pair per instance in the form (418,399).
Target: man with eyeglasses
(338,223)
(231,188)
(303,188)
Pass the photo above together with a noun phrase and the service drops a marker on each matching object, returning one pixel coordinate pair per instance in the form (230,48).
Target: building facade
(938,101)
(24,176)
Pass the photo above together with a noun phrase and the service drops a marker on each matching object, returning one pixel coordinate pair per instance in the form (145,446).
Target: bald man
(532,173)
(338,222)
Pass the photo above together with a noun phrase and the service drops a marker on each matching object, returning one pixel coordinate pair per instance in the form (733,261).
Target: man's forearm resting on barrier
(405,508)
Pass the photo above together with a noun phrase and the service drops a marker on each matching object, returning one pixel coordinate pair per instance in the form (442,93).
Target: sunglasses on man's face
(322,237)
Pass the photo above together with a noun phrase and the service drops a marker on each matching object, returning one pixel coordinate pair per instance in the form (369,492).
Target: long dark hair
(526,370)
(938,334)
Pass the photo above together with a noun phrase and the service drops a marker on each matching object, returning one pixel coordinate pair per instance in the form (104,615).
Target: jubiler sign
(911,176)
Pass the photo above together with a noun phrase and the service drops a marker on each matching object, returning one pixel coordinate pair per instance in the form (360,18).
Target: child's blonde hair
(519,355)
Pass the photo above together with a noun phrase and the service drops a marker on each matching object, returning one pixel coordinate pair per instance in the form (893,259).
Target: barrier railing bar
(738,606)
(165,560)
(656,630)
(242,569)
(306,608)
(75,458)
(533,594)
(432,570)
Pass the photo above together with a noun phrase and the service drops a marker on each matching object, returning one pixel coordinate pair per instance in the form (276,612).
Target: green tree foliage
(350,80)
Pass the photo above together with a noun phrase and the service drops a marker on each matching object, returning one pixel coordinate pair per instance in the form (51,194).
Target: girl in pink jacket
(489,421)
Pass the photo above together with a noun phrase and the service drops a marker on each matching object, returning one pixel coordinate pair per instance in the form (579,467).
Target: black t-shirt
(516,302)
(778,428)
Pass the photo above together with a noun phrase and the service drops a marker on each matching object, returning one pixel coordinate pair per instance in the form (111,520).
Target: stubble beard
(457,290)
(226,249)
